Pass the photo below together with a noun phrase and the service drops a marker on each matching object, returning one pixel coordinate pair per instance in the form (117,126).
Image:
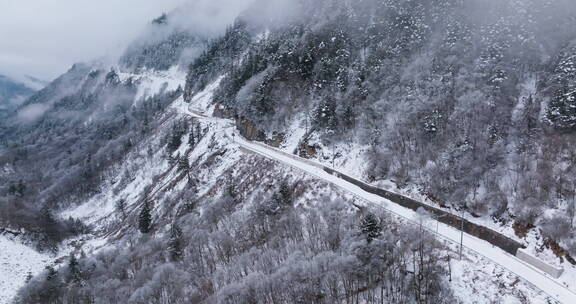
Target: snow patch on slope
(16,261)
(151,82)
(202,101)
(139,169)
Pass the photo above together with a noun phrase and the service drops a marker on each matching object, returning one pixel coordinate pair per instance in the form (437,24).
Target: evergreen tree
(175,142)
(12,190)
(232,192)
(75,275)
(163,19)
(283,197)
(370,227)
(52,286)
(21,188)
(530,115)
(17,189)
(29,277)
(281,200)
(145,218)
(349,118)
(175,245)
(189,207)
(562,110)
(121,208)
(52,229)
(175,139)
(325,115)
(199,133)
(183,163)
(51,273)
(191,139)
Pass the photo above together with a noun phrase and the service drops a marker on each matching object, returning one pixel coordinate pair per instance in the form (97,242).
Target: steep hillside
(139,182)
(466,104)
(201,220)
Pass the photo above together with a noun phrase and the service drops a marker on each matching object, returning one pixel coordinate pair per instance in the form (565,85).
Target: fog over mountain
(292,151)
(12,94)
(44,38)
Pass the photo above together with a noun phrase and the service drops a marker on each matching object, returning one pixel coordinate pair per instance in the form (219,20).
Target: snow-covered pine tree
(191,138)
(75,274)
(370,227)
(121,208)
(175,243)
(325,115)
(175,137)
(145,218)
(562,109)
(283,197)
(183,163)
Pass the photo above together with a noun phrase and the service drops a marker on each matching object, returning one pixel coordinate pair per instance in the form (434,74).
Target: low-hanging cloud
(32,112)
(203,18)
(44,38)
(209,17)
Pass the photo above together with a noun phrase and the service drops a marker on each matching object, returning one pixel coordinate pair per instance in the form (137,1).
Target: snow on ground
(481,256)
(477,280)
(540,280)
(16,261)
(202,101)
(152,82)
(296,133)
(350,161)
(348,156)
(127,182)
(552,287)
(140,172)
(527,90)
(139,169)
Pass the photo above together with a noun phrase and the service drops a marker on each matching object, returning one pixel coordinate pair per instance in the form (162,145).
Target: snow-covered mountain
(315,151)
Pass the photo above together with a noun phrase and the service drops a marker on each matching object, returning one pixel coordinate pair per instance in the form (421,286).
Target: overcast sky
(43,38)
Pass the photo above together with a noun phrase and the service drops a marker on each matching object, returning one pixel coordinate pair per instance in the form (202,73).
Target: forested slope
(470,101)
(467,105)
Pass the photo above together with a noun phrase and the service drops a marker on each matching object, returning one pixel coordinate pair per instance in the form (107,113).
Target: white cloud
(43,38)
(32,112)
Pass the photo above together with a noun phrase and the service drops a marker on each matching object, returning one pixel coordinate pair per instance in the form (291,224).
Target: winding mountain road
(524,271)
